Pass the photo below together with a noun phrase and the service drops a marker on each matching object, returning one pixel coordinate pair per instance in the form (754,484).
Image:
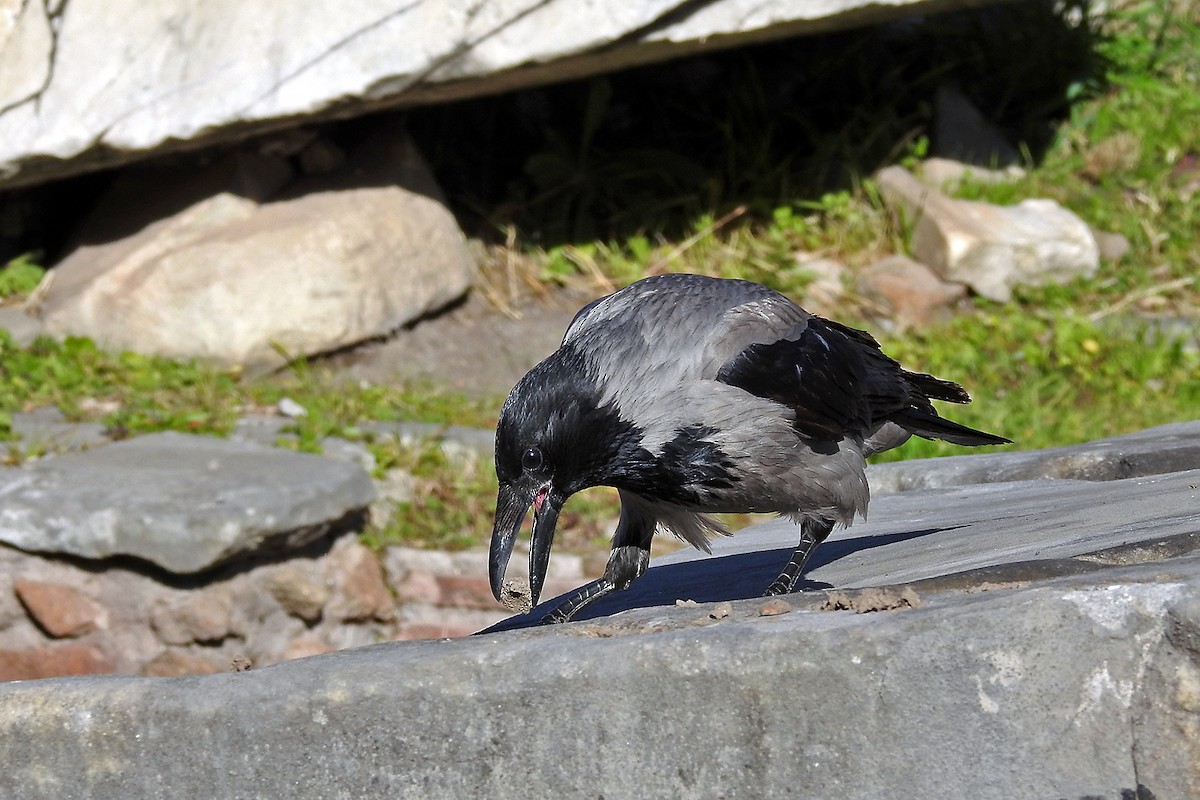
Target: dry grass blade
(1142,294)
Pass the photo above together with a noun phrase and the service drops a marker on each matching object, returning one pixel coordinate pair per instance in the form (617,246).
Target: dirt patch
(471,348)
(865,601)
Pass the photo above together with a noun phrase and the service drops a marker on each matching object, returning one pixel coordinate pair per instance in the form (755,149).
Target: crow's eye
(531,459)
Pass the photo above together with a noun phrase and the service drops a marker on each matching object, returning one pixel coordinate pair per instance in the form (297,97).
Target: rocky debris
(182,503)
(90,92)
(991,248)
(240,264)
(1167,448)
(909,293)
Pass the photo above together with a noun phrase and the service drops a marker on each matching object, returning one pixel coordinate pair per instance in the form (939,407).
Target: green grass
(20,276)
(738,192)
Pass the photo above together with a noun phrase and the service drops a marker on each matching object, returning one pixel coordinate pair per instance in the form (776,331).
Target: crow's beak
(512,504)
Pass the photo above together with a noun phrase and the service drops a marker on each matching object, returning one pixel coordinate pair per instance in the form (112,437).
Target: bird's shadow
(708,580)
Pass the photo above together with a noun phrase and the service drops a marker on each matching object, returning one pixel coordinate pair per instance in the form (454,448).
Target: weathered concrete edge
(666,703)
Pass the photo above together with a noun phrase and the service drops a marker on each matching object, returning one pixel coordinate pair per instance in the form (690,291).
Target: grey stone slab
(924,534)
(1072,688)
(1166,448)
(183,503)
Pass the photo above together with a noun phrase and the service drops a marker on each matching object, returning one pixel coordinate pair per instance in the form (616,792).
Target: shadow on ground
(709,580)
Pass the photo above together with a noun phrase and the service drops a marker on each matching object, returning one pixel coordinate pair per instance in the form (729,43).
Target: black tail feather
(929,425)
(936,388)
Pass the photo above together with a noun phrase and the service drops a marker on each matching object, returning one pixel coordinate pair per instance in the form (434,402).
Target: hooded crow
(694,395)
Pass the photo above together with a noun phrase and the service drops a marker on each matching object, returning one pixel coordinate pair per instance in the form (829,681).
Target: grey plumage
(695,395)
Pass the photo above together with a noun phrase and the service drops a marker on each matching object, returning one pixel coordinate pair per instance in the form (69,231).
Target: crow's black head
(553,439)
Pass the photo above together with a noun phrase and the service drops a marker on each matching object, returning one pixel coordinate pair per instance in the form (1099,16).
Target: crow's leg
(625,565)
(813,531)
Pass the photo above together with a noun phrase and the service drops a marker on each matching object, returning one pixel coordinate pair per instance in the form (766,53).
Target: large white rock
(992,248)
(95,82)
(231,279)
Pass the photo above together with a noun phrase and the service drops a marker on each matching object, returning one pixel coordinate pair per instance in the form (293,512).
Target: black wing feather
(837,381)
(821,375)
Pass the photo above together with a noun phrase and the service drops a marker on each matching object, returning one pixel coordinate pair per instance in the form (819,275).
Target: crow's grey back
(671,329)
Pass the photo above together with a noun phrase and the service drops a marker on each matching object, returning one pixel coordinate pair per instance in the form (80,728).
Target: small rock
(686,603)
(909,292)
(1112,246)
(828,283)
(341,449)
(301,593)
(774,607)
(263,429)
(361,593)
(241,663)
(275,633)
(291,409)
(402,560)
(721,610)
(418,587)
(53,661)
(60,611)
(205,617)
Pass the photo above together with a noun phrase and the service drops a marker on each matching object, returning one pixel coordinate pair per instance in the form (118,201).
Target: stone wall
(68,617)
